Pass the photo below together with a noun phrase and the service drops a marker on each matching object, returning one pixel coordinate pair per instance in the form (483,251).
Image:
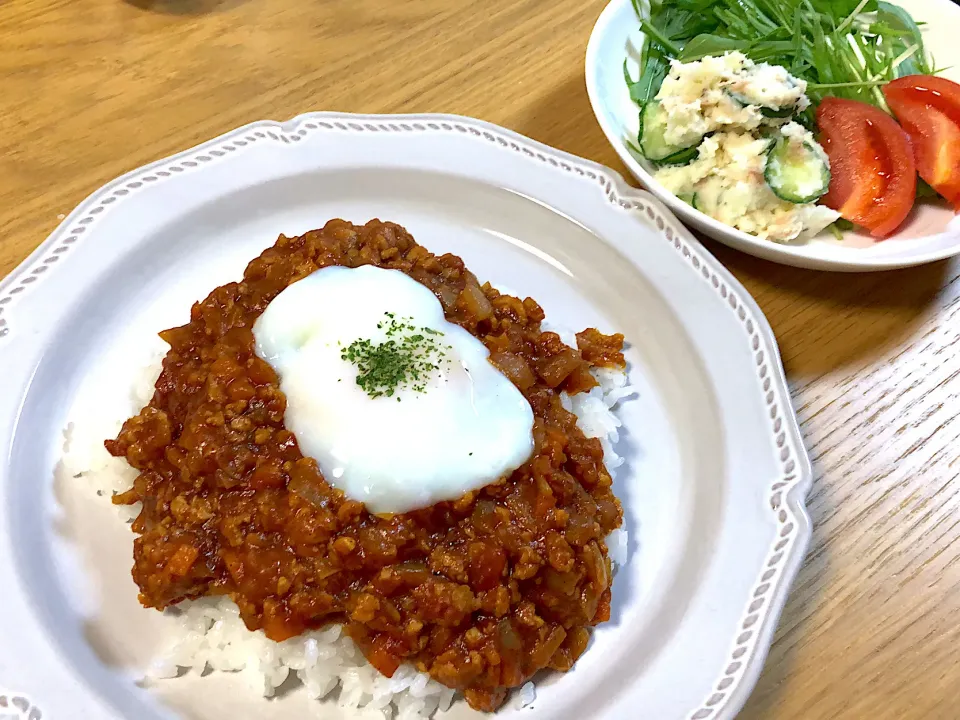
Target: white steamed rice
(212,636)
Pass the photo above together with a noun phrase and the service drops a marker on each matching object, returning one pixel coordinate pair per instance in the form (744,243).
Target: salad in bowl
(791,124)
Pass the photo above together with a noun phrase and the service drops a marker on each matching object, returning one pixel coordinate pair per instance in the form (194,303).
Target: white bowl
(932,232)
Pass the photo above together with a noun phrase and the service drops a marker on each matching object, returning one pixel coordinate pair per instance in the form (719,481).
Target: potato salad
(722,132)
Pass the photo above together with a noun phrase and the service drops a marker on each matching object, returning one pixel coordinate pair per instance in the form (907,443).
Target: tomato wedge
(930,90)
(873,173)
(928,108)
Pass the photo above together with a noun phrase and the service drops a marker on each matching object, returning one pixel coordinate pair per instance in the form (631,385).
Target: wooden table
(92,88)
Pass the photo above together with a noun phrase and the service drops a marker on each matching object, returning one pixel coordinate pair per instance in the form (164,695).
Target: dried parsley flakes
(406,359)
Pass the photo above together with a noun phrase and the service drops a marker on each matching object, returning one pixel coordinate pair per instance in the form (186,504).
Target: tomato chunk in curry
(480,593)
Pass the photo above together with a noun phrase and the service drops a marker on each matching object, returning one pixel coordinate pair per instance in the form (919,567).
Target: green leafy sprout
(845,48)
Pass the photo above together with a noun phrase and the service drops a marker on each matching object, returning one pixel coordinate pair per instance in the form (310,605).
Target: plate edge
(786,494)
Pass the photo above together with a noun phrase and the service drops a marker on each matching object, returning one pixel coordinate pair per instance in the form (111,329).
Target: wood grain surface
(92,88)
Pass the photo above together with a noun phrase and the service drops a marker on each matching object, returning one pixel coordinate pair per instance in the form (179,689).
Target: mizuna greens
(843,48)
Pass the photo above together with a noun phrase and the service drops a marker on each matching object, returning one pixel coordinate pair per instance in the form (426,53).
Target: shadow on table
(564,120)
(825,320)
(184,7)
(806,595)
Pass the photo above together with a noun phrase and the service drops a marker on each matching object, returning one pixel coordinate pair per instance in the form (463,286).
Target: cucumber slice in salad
(797,172)
(681,157)
(653,124)
(769,112)
(777,112)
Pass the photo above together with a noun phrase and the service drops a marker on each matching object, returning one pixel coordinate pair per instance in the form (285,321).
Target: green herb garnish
(406,359)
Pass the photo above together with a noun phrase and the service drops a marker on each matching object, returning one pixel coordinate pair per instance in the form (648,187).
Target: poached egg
(453,424)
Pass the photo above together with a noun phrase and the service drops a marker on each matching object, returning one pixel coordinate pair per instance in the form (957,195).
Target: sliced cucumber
(653,124)
(777,112)
(739,99)
(681,157)
(797,172)
(769,112)
(690,199)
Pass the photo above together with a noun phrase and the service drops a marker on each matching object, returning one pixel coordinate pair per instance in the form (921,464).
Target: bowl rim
(795,255)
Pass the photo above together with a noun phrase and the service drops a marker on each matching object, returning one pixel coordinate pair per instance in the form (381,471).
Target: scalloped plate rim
(799,486)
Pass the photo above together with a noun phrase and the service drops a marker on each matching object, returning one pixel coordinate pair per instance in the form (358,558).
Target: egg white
(466,427)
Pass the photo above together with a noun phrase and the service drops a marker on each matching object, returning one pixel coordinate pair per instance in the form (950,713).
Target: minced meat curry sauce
(480,593)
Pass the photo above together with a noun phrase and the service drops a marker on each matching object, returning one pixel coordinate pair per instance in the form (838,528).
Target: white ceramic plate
(714,495)
(931,232)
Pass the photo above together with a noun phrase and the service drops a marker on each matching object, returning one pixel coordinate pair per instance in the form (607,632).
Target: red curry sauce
(480,593)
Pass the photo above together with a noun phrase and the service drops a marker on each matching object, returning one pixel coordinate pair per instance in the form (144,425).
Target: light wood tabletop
(90,89)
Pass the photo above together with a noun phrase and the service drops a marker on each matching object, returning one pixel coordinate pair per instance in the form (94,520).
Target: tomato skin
(873,172)
(928,108)
(937,92)
(850,189)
